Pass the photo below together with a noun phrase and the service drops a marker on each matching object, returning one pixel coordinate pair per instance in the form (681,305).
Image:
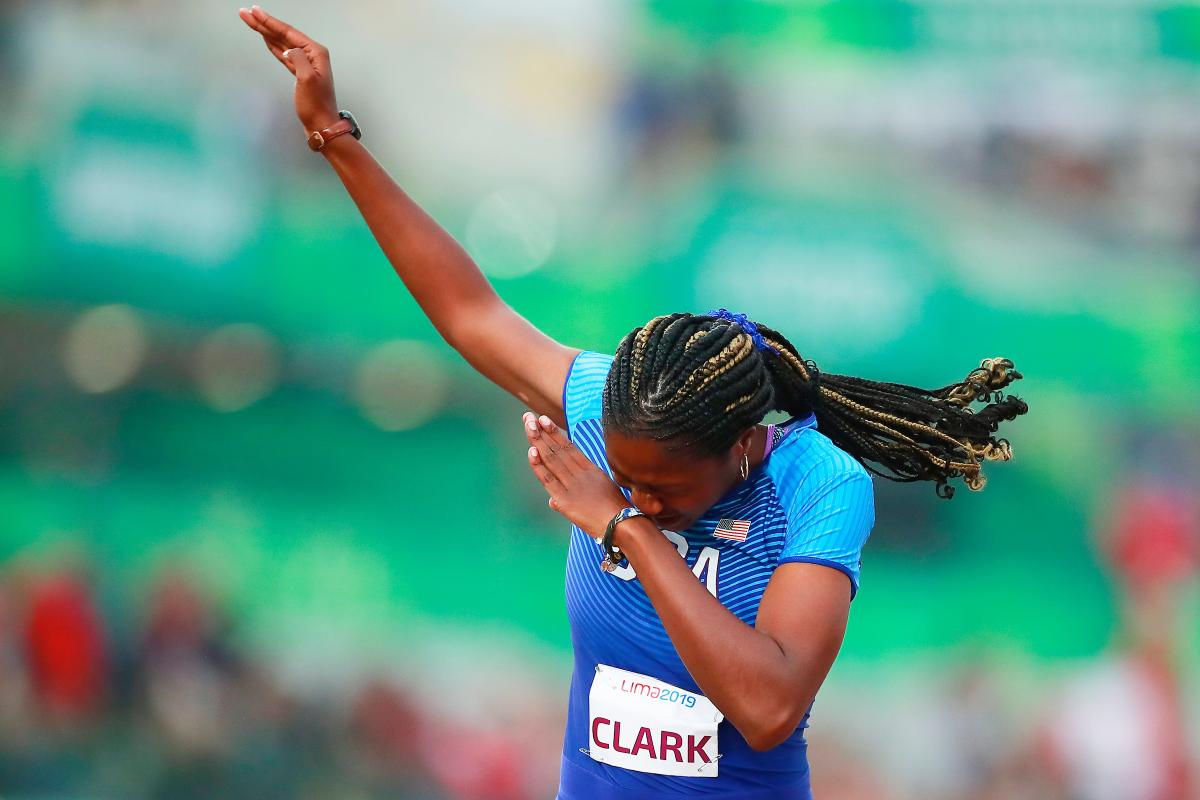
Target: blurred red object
(1155,538)
(65,647)
(478,764)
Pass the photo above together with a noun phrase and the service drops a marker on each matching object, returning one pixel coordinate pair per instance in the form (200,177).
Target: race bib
(641,723)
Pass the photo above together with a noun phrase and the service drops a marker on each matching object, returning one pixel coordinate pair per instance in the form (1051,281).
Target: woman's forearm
(439,274)
(759,688)
(443,279)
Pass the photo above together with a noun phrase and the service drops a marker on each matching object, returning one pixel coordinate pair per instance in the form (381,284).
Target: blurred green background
(210,378)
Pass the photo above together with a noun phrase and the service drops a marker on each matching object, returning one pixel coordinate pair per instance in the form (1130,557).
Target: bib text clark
(644,741)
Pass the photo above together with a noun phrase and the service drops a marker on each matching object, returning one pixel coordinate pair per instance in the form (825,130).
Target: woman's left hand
(316,104)
(578,489)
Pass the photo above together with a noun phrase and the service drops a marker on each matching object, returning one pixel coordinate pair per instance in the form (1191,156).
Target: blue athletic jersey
(809,501)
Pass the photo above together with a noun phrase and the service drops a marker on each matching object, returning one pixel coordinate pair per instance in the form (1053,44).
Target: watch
(345,124)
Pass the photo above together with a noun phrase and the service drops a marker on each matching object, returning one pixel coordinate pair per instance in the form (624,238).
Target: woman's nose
(646,502)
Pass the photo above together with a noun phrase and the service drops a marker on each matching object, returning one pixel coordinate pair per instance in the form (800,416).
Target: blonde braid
(733,353)
(639,351)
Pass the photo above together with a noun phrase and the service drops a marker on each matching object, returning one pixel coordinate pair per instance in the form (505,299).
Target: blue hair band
(747,326)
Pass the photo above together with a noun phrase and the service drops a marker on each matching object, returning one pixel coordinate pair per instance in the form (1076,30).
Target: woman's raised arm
(441,276)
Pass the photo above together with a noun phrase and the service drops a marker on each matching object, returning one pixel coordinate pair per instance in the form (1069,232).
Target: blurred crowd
(166,704)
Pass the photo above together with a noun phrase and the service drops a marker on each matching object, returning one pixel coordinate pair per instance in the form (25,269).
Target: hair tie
(812,386)
(749,327)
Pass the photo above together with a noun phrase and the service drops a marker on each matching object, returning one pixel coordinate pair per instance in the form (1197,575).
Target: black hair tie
(810,390)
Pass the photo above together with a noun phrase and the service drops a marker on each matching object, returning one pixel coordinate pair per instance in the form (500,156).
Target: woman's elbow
(764,740)
(771,729)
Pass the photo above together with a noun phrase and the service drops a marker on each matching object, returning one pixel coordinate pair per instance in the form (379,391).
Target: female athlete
(712,559)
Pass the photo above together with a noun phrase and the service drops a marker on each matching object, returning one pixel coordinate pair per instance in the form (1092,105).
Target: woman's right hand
(316,104)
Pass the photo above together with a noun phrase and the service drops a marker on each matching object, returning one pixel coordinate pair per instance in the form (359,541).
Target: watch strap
(612,553)
(318,139)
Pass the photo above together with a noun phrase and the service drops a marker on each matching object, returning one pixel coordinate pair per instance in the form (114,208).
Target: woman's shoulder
(583,390)
(806,463)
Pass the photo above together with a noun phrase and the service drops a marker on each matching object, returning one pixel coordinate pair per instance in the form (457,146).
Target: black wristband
(612,554)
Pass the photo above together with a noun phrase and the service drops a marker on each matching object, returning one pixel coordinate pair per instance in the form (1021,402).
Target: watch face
(354,131)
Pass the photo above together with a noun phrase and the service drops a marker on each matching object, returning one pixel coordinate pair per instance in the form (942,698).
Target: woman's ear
(745,440)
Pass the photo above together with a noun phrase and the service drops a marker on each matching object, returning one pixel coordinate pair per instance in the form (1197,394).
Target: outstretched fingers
(255,25)
(275,46)
(276,29)
(278,52)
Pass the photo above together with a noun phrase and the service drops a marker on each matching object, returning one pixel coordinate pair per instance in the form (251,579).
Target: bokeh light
(400,385)
(236,366)
(104,348)
(512,232)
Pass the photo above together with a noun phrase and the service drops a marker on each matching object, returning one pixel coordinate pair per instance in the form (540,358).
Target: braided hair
(697,382)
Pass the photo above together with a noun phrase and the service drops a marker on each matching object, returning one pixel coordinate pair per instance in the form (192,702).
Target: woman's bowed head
(686,392)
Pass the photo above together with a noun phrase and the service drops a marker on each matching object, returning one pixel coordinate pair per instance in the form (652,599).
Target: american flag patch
(735,529)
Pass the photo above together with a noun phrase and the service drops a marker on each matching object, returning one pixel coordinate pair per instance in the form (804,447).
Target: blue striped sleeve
(583,392)
(830,516)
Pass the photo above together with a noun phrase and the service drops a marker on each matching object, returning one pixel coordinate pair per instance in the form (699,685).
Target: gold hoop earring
(744,467)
